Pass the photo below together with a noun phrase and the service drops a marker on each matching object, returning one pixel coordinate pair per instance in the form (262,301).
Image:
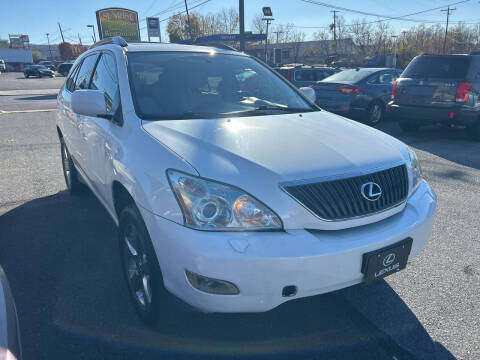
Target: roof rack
(116,40)
(217,45)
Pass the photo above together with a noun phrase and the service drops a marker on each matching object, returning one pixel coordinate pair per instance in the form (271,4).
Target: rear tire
(408,125)
(375,113)
(70,173)
(474,132)
(140,266)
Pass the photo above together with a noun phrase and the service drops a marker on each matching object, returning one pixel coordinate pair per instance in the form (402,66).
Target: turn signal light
(462,92)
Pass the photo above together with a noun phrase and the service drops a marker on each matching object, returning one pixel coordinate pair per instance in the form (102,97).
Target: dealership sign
(118,22)
(18,41)
(153,26)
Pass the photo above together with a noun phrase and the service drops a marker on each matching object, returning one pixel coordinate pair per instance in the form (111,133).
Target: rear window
(352,75)
(450,67)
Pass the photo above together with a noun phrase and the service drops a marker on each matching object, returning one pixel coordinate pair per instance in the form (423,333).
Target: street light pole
(94,37)
(267,16)
(241,13)
(49,48)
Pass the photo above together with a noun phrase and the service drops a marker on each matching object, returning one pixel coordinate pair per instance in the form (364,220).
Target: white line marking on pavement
(5,112)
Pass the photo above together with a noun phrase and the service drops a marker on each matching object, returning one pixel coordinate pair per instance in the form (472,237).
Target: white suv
(230,188)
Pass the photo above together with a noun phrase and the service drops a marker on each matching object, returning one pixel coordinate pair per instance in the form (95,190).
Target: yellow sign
(118,22)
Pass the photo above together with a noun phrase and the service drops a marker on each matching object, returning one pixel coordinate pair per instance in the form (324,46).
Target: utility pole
(448,11)
(80,39)
(188,21)
(241,16)
(335,28)
(61,32)
(277,33)
(49,49)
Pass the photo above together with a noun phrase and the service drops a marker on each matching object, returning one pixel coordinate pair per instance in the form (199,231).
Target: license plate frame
(388,260)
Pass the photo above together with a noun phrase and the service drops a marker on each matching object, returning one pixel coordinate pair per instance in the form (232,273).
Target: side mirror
(89,103)
(309,93)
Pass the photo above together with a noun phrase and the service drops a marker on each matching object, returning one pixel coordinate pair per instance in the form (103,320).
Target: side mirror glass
(309,93)
(89,103)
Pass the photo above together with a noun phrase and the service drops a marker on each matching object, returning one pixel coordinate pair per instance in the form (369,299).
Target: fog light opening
(290,290)
(211,286)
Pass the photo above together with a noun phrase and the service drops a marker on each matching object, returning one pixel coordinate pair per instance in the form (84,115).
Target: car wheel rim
(375,114)
(137,267)
(67,172)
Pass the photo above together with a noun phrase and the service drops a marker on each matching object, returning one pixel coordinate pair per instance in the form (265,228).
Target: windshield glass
(183,85)
(446,67)
(352,75)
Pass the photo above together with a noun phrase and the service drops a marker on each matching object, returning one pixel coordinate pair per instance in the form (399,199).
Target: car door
(96,130)
(82,81)
(381,84)
(68,123)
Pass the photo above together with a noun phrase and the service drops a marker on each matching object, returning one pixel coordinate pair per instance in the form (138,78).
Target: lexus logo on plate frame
(389,259)
(371,191)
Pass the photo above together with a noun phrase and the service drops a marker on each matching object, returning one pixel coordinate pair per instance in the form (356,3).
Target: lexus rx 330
(231,189)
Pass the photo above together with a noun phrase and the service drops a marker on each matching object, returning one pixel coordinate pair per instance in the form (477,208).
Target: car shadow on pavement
(39,97)
(61,256)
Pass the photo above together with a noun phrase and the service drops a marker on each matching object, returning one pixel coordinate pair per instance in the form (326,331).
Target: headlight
(209,205)
(415,169)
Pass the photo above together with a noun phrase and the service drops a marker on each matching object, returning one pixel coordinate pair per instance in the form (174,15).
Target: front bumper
(261,264)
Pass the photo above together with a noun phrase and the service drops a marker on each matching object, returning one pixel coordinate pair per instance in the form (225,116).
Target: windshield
(183,85)
(446,67)
(352,75)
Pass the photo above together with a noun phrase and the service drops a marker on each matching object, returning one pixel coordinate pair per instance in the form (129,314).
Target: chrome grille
(342,199)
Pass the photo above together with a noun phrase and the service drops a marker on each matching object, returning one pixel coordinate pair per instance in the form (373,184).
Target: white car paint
(256,154)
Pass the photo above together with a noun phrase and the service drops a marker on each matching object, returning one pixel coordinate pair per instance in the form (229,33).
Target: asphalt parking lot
(60,255)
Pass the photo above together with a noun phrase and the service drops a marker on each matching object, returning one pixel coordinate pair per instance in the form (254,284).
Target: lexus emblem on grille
(371,191)
(389,259)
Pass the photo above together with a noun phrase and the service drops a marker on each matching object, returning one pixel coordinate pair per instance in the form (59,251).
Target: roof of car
(163,47)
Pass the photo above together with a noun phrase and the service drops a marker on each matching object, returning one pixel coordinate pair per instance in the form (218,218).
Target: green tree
(3,44)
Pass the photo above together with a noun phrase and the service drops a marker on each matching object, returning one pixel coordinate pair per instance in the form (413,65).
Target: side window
(305,75)
(105,79)
(70,84)
(383,79)
(85,72)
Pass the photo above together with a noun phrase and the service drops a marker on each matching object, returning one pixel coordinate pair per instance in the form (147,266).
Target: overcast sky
(37,17)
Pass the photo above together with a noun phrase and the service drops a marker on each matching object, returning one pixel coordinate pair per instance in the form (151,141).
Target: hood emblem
(371,191)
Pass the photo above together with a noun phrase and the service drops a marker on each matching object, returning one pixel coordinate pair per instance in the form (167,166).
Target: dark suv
(438,89)
(303,75)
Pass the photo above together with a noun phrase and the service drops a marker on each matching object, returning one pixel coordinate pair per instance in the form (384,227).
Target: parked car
(438,89)
(10,344)
(47,64)
(302,75)
(37,70)
(3,68)
(64,68)
(231,189)
(360,94)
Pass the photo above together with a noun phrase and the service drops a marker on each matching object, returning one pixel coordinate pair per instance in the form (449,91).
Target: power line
(388,17)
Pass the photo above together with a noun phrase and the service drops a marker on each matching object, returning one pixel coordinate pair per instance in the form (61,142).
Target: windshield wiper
(281,108)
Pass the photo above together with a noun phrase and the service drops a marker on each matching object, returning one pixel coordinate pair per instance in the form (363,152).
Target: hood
(282,147)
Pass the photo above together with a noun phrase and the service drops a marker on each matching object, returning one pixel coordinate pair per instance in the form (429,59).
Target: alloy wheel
(136,266)
(375,114)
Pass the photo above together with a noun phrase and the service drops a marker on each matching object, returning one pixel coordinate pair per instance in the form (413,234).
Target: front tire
(140,266)
(74,186)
